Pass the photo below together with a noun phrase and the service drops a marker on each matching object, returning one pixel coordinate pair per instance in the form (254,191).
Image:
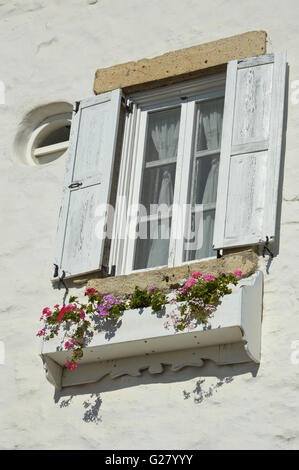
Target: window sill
(233,335)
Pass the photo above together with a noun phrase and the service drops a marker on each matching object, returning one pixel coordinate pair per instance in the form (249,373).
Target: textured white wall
(49,52)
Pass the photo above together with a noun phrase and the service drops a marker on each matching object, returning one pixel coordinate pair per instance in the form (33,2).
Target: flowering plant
(200,296)
(197,299)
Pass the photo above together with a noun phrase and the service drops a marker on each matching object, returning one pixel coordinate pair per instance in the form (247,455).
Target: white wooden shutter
(87,183)
(250,151)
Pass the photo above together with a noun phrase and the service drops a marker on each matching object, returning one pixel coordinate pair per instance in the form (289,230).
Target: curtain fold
(205,177)
(163,135)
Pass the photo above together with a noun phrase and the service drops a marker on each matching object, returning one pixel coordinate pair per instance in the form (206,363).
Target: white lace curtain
(205,176)
(164,131)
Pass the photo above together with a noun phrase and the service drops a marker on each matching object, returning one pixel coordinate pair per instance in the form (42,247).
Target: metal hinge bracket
(76,106)
(105,270)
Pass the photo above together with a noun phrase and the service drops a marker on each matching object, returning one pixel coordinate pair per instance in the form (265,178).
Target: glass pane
(162,134)
(201,247)
(158,183)
(153,250)
(209,124)
(205,179)
(204,172)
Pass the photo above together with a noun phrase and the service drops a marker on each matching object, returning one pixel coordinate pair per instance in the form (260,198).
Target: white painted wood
(117,240)
(183,182)
(275,144)
(258,60)
(200,87)
(134,197)
(53,371)
(250,151)
(182,162)
(49,149)
(79,246)
(159,164)
(129,189)
(232,336)
(175,361)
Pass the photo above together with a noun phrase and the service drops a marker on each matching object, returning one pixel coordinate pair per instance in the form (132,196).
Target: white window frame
(187,95)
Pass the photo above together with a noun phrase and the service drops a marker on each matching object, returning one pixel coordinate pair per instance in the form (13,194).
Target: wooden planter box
(233,335)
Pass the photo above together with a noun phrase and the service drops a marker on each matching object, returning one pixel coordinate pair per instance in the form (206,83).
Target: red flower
(91,291)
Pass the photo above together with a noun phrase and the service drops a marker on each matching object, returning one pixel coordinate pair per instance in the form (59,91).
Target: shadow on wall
(202,391)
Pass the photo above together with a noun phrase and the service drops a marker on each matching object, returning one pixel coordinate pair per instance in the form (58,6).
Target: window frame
(186,95)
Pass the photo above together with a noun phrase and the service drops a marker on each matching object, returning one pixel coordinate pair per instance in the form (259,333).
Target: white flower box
(233,335)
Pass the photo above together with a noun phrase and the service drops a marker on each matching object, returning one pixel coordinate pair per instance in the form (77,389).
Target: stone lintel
(180,65)
(164,278)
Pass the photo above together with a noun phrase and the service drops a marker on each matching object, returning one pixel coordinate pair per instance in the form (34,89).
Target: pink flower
(70,344)
(41,332)
(71,365)
(238,273)
(151,288)
(197,274)
(61,315)
(188,284)
(209,277)
(46,313)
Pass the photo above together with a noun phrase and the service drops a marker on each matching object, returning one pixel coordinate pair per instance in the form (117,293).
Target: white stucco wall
(49,52)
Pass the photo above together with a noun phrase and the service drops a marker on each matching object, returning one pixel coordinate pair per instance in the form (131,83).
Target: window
(50,139)
(177,161)
(212,145)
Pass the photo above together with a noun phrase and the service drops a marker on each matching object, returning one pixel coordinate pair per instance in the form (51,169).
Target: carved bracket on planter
(232,336)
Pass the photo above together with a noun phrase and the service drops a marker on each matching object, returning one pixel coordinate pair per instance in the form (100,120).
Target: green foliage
(152,297)
(197,299)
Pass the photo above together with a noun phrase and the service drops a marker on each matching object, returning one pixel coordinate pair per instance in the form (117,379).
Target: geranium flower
(188,284)
(91,291)
(70,344)
(237,273)
(71,365)
(197,274)
(41,332)
(209,277)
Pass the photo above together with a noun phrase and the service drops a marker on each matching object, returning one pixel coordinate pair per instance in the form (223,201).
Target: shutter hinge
(60,278)
(76,106)
(105,270)
(128,105)
(265,248)
(55,270)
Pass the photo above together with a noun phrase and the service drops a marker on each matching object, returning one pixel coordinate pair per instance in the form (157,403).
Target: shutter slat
(250,151)
(79,246)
